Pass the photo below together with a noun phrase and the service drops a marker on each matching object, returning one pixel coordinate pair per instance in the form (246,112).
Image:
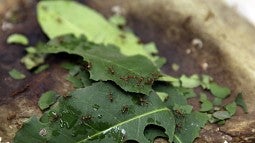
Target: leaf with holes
(99,113)
(132,73)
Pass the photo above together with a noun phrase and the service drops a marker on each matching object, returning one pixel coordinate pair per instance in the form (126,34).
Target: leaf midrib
(125,122)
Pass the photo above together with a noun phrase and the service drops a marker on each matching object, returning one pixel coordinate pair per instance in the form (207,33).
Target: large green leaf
(99,113)
(68,17)
(132,73)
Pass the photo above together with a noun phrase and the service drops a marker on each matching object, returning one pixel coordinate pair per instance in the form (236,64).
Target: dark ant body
(124,109)
(86,118)
(111,71)
(88,66)
(110,97)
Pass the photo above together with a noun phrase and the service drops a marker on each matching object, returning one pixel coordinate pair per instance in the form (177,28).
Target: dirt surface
(167,25)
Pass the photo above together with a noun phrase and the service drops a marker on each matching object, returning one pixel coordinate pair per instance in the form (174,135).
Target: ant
(86,118)
(110,97)
(88,66)
(143,101)
(124,109)
(110,69)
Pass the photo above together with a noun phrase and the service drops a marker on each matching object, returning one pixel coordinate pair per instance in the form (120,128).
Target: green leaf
(57,18)
(187,92)
(68,65)
(35,128)
(205,83)
(189,126)
(203,97)
(174,96)
(231,108)
(41,68)
(218,91)
(206,106)
(47,99)
(222,115)
(160,61)
(32,59)
(217,101)
(15,74)
(77,76)
(240,102)
(132,73)
(17,39)
(168,78)
(99,113)
(190,82)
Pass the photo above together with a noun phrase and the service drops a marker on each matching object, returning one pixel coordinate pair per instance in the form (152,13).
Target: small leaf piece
(15,74)
(206,106)
(17,39)
(32,59)
(231,108)
(222,115)
(240,102)
(205,83)
(217,101)
(41,68)
(190,82)
(47,99)
(218,91)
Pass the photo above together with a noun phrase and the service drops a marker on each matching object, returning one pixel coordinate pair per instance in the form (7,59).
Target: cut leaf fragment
(206,106)
(15,74)
(190,82)
(231,108)
(17,39)
(240,102)
(47,99)
(222,115)
(218,91)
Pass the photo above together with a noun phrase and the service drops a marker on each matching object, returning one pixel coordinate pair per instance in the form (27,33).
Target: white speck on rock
(43,132)
(7,26)
(204,66)
(117,9)
(197,43)
(188,51)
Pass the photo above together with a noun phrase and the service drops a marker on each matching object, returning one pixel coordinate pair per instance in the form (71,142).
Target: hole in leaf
(152,132)
(131,141)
